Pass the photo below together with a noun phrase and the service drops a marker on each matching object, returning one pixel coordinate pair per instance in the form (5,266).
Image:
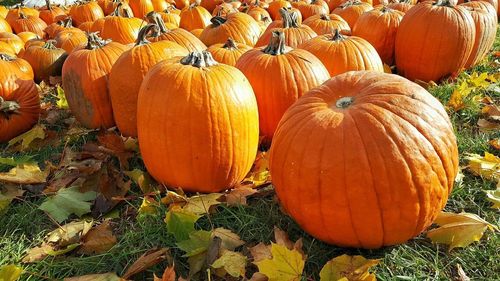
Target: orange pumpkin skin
(258,13)
(274,88)
(229,52)
(13,40)
(56,27)
(88,12)
(210,5)
(87,26)
(5,26)
(379,27)
(275,6)
(46,60)
(194,17)
(402,6)
(419,56)
(160,5)
(87,91)
(27,36)
(29,23)
(214,107)
(121,29)
(485,23)
(141,7)
(50,14)
(14,14)
(239,26)
(3,12)
(341,53)
(169,17)
(6,48)
(70,39)
(494,3)
(128,73)
(19,100)
(373,152)
(350,11)
(316,7)
(323,24)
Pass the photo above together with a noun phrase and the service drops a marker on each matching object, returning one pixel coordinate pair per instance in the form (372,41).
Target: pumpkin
(239,26)
(223,10)
(27,36)
(341,53)
(19,101)
(210,4)
(85,12)
(14,14)
(295,33)
(98,25)
(54,28)
(323,24)
(275,88)
(276,6)
(4,26)
(258,13)
(124,7)
(374,153)
(120,28)
(213,106)
(350,11)
(160,5)
(400,5)
(129,71)
(29,23)
(379,27)
(51,14)
(46,60)
(31,43)
(494,3)
(333,4)
(87,91)
(316,7)
(170,17)
(86,26)
(194,17)
(181,4)
(13,40)
(229,52)
(3,12)
(178,35)
(7,49)
(141,7)
(70,39)
(429,51)
(485,23)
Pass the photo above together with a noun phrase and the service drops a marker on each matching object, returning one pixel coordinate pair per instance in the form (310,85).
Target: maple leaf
(68,201)
(37,132)
(232,262)
(282,238)
(261,252)
(494,196)
(61,101)
(10,272)
(28,173)
(110,276)
(115,145)
(458,230)
(238,196)
(285,265)
(98,240)
(348,268)
(201,204)
(487,166)
(146,260)
(180,223)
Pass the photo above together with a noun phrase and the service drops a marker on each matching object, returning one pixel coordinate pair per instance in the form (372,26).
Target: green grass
(23,226)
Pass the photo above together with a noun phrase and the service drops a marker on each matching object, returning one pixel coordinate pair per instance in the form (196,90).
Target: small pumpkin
(323,24)
(46,60)
(85,12)
(257,13)
(86,26)
(224,9)
(400,5)
(54,28)
(27,36)
(170,17)
(70,39)
(50,14)
(350,11)
(229,52)
(208,103)
(87,91)
(194,17)
(239,26)
(29,23)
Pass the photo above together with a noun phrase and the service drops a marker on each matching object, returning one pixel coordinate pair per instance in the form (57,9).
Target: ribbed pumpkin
(315,7)
(170,17)
(13,40)
(50,14)
(29,23)
(178,35)
(434,40)
(87,91)
(323,24)
(229,52)
(279,76)
(160,5)
(374,153)
(257,13)
(275,7)
(210,4)
(129,71)
(70,39)
(27,36)
(46,60)
(295,33)
(239,26)
(494,3)
(141,7)
(14,14)
(341,53)
(208,103)
(6,48)
(33,42)
(3,11)
(379,27)
(121,28)
(19,101)
(85,12)
(54,28)
(485,23)
(350,11)
(86,26)
(224,9)
(4,26)
(194,17)
(400,5)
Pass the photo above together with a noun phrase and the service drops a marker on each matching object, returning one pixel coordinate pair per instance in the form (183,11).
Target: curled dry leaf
(238,196)
(147,260)
(98,240)
(347,267)
(29,173)
(168,275)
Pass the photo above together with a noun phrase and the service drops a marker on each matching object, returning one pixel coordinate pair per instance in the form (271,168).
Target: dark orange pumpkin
(56,27)
(275,7)
(210,4)
(374,153)
(323,24)
(46,60)
(85,12)
(229,52)
(86,26)
(239,26)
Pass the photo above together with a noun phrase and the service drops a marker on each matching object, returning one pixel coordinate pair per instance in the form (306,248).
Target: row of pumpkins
(364,159)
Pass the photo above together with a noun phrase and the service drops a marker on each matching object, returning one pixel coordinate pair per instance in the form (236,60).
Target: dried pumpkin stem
(50,45)
(344,102)
(336,36)
(67,22)
(94,41)
(230,44)
(141,38)
(199,59)
(324,17)
(49,6)
(276,45)
(154,17)
(218,20)
(8,107)
(290,20)
(22,15)
(6,57)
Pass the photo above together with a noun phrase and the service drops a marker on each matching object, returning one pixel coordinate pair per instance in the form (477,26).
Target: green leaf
(198,242)
(19,160)
(10,272)
(69,248)
(37,132)
(180,223)
(62,102)
(68,201)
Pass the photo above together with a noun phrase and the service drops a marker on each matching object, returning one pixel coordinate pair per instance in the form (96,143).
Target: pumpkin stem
(67,22)
(199,59)
(217,20)
(324,16)
(443,3)
(290,20)
(154,17)
(6,57)
(276,45)
(47,3)
(94,41)
(336,36)
(50,45)
(8,107)
(344,102)
(230,44)
(141,38)
(22,16)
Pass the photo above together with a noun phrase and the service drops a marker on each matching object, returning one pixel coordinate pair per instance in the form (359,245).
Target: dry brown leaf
(36,254)
(461,275)
(98,240)
(260,252)
(69,233)
(147,260)
(238,196)
(229,239)
(115,145)
(168,275)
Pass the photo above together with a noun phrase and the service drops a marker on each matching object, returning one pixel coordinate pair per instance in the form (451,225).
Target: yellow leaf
(480,80)
(348,268)
(285,265)
(458,230)
(10,272)
(149,206)
(200,204)
(28,173)
(229,239)
(494,196)
(487,166)
(62,102)
(456,100)
(232,262)
(37,132)
(260,175)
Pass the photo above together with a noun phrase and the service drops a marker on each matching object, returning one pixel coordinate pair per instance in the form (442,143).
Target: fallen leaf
(238,196)
(200,204)
(173,198)
(61,101)
(462,276)
(213,250)
(261,252)
(142,179)
(180,223)
(69,248)
(487,166)
(15,161)
(149,206)
(487,125)
(10,272)
(257,276)
(456,101)
(282,238)
(198,242)
(36,254)
(37,132)
(458,230)
(69,233)
(96,277)
(115,145)
(197,262)
(346,268)
(168,275)
(259,175)
(494,196)
(68,201)
(285,265)
(232,262)
(7,194)
(229,239)
(28,173)
(147,260)
(98,240)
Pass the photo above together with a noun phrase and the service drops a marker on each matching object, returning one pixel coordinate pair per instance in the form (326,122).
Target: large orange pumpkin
(323,24)
(46,60)
(434,40)
(208,103)
(87,91)
(14,14)
(241,27)
(19,101)
(85,12)
(129,71)
(365,160)
(279,76)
